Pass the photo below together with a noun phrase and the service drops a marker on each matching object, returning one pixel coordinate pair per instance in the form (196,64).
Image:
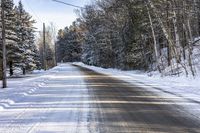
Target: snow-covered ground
(57,100)
(183,87)
(44,102)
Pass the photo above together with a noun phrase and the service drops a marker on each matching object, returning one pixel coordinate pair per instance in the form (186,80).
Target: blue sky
(48,11)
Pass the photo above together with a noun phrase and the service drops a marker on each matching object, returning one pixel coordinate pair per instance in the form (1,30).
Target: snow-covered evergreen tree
(13,49)
(20,38)
(25,33)
(69,44)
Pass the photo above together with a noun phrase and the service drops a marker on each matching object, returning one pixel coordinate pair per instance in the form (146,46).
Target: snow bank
(38,71)
(182,86)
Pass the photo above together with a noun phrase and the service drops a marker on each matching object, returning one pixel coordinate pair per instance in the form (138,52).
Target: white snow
(38,71)
(57,100)
(181,85)
(45,102)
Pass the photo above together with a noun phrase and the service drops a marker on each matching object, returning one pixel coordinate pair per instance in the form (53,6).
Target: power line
(33,12)
(68,4)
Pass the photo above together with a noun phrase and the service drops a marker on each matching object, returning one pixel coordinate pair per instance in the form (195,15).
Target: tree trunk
(24,70)
(177,37)
(169,55)
(165,32)
(1,70)
(11,67)
(154,40)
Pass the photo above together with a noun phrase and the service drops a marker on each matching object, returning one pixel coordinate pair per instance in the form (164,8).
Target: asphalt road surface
(125,108)
(77,100)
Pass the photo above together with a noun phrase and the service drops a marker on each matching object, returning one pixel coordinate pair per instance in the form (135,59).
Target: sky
(48,11)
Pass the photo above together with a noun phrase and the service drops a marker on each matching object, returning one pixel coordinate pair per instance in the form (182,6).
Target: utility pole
(55,45)
(44,48)
(4,80)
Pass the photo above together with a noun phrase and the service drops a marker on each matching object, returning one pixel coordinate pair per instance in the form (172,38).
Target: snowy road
(72,99)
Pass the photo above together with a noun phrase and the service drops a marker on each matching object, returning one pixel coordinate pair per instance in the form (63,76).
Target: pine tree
(20,38)
(13,50)
(69,44)
(25,33)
